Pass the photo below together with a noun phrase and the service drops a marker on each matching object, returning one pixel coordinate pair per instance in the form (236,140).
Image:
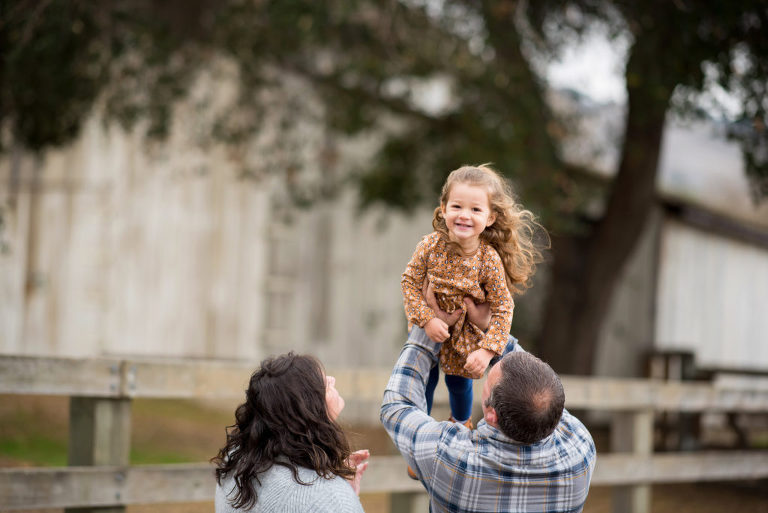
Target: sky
(593,67)
(697,163)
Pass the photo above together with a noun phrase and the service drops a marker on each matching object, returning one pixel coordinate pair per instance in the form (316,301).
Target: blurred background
(234,179)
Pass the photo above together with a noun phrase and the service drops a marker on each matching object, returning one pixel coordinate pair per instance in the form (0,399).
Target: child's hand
(477,361)
(436,329)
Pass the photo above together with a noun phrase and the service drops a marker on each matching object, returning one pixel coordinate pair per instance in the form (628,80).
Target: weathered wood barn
(698,282)
(113,246)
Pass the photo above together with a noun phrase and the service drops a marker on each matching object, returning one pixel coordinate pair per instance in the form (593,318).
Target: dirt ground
(33,432)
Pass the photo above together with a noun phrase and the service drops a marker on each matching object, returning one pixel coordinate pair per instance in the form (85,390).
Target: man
(527,454)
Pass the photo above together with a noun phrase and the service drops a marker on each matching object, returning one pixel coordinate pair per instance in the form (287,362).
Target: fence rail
(107,485)
(101,390)
(212,379)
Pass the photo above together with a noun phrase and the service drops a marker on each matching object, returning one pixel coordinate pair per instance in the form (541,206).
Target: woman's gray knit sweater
(280,493)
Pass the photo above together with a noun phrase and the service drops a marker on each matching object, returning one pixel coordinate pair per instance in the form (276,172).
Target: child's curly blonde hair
(512,235)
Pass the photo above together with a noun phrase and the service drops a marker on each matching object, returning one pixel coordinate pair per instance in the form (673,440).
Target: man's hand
(436,329)
(359,461)
(429,295)
(479,315)
(477,361)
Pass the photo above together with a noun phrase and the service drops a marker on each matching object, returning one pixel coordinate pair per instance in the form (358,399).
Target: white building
(113,247)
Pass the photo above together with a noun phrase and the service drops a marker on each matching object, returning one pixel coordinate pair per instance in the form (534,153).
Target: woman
(286,452)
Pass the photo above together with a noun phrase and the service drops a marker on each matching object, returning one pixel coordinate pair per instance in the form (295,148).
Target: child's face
(467,212)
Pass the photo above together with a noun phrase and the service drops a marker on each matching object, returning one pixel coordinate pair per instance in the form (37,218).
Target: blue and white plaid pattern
(482,470)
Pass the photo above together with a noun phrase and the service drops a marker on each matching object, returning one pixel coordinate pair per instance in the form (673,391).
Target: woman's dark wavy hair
(283,421)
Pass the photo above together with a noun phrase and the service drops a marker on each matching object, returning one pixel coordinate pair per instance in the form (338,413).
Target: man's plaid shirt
(482,470)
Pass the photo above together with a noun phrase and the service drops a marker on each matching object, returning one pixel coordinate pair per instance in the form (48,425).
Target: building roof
(699,166)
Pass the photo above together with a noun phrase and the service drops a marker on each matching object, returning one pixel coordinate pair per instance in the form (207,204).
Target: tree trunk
(586,269)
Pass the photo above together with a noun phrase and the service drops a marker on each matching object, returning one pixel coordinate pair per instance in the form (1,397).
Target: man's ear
(491,417)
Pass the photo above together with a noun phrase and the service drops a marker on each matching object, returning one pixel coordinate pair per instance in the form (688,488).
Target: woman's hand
(359,461)
(477,361)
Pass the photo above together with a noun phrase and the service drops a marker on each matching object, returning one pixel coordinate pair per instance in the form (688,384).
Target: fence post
(99,434)
(632,432)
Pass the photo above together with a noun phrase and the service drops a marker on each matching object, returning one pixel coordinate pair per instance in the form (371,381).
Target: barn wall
(113,245)
(712,297)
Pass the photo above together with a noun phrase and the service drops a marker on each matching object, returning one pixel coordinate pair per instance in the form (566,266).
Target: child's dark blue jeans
(459,387)
(459,393)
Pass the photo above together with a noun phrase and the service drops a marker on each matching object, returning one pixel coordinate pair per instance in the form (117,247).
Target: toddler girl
(482,247)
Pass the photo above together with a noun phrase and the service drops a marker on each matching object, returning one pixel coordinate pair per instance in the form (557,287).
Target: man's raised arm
(404,407)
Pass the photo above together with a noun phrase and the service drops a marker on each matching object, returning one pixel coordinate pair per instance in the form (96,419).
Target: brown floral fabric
(453,276)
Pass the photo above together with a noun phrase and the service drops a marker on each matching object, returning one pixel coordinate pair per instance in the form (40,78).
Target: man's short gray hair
(528,398)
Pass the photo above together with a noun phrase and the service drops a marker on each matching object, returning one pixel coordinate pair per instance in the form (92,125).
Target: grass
(175,431)
(760,441)
(34,431)
(34,450)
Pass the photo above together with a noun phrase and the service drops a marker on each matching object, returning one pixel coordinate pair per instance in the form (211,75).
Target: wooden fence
(99,476)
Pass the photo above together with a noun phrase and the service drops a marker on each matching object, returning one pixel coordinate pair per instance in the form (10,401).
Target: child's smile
(467,213)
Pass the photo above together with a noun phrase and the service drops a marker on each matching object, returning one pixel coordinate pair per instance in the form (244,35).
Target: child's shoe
(468,423)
